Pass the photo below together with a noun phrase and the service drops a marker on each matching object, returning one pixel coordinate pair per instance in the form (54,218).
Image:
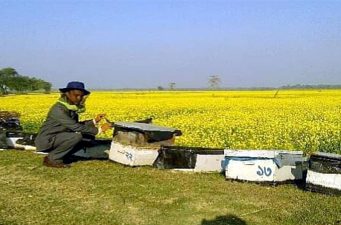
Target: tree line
(12,82)
(308,86)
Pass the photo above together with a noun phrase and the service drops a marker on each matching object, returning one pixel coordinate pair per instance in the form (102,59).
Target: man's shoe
(50,163)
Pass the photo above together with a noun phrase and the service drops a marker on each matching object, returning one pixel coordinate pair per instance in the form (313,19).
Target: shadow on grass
(224,220)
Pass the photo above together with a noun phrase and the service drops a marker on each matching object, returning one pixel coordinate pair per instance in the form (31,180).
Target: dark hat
(75,85)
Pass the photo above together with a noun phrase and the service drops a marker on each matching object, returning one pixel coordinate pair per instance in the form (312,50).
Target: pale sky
(145,44)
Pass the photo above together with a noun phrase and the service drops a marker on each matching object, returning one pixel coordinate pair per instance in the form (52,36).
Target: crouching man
(61,134)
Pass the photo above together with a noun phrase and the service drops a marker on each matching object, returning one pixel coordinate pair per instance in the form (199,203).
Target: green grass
(102,192)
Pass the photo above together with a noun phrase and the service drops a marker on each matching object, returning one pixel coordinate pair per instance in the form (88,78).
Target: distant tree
(160,88)
(47,87)
(172,85)
(6,75)
(20,84)
(316,86)
(9,72)
(214,81)
(10,80)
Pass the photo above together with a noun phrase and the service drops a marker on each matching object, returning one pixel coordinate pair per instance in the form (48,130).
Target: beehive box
(11,131)
(264,165)
(190,159)
(324,173)
(137,144)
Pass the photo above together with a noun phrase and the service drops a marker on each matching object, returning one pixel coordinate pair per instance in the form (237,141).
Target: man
(61,134)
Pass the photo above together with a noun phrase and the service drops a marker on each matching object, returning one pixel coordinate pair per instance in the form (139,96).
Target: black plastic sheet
(325,163)
(27,139)
(93,149)
(10,124)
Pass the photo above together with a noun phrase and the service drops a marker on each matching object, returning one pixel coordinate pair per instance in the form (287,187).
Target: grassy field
(102,192)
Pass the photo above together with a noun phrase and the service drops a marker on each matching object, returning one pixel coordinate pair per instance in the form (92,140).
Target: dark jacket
(59,120)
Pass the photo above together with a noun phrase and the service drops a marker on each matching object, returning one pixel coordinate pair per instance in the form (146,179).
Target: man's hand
(105,127)
(83,100)
(99,117)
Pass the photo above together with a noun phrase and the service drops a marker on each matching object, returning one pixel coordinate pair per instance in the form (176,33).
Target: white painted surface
(11,142)
(285,173)
(26,147)
(132,156)
(251,170)
(328,180)
(209,163)
(41,153)
(260,153)
(250,153)
(264,165)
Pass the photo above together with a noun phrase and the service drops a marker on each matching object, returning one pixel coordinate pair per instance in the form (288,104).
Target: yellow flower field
(307,120)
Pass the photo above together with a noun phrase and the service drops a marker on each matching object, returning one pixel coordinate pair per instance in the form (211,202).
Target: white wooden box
(132,156)
(324,173)
(264,165)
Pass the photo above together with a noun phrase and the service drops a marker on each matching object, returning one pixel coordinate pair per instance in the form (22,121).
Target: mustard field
(307,120)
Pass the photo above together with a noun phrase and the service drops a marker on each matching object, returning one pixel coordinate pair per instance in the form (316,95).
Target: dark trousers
(64,145)
(68,143)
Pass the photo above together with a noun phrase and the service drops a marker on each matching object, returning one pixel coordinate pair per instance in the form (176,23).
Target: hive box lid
(250,153)
(281,157)
(154,132)
(326,155)
(145,127)
(325,163)
(270,154)
(140,134)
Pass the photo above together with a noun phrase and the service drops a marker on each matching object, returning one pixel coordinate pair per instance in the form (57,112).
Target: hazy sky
(144,44)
